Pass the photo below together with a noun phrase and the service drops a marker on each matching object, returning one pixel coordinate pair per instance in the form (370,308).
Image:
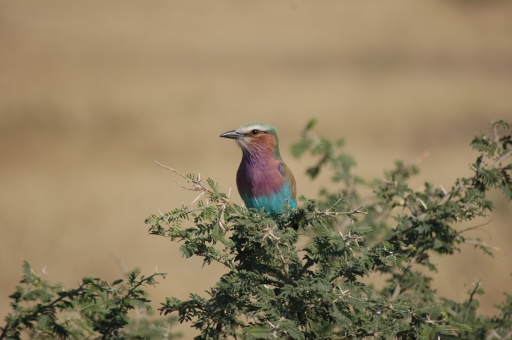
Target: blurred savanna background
(91,93)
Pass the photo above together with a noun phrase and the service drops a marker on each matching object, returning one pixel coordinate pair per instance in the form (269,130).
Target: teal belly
(275,203)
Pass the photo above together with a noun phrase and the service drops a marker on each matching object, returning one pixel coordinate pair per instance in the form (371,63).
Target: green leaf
(311,124)
(291,329)
(257,332)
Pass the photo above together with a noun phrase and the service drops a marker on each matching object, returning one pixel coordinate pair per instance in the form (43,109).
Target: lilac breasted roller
(263,179)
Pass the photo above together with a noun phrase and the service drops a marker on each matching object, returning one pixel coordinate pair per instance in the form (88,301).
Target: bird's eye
(254,132)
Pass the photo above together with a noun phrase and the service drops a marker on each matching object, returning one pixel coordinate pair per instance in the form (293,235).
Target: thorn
(160,212)
(156,269)
(423,203)
(442,188)
(44,271)
(201,194)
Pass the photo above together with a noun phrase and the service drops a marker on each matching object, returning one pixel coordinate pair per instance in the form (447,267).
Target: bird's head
(255,138)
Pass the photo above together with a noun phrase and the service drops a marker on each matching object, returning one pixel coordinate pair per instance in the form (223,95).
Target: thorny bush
(300,275)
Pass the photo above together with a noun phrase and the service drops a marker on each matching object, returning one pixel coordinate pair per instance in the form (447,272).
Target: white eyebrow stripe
(249,128)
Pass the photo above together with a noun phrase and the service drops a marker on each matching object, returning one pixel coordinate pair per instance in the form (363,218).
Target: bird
(263,180)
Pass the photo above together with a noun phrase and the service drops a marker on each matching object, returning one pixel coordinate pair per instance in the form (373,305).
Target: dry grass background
(91,93)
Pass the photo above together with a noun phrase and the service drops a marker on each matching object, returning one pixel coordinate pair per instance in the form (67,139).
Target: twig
(198,186)
(471,295)
(495,129)
(398,288)
(508,335)
(270,234)
(478,226)
(284,263)
(493,334)
(478,243)
(336,213)
(222,223)
(502,158)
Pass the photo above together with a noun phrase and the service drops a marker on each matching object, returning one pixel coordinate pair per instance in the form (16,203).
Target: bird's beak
(231,134)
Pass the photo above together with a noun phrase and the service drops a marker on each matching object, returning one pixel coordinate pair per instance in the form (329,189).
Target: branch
(477,227)
(27,319)
(198,186)
(502,158)
(397,290)
(336,213)
(483,245)
(471,294)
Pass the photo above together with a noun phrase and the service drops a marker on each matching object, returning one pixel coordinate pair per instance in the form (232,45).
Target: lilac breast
(259,176)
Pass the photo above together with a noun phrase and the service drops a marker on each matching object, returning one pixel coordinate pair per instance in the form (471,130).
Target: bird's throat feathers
(262,147)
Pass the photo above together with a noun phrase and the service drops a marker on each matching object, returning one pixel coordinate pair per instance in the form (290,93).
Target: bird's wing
(287,173)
